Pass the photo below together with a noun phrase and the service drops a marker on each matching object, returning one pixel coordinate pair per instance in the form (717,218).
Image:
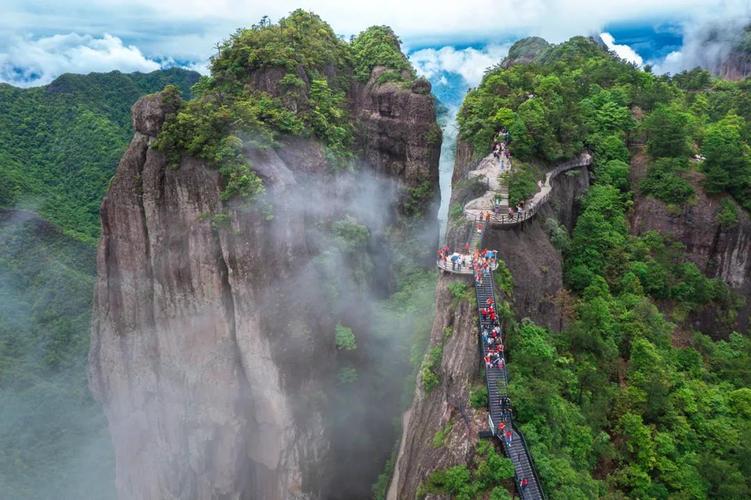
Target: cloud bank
(144,34)
(29,62)
(623,51)
(470,63)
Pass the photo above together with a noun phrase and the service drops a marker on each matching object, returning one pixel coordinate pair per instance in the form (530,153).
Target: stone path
(475,208)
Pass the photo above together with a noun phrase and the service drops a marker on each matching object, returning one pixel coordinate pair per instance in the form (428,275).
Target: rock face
(446,404)
(194,355)
(720,252)
(398,133)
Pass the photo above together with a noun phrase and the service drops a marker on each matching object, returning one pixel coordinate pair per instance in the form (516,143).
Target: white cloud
(470,63)
(187,30)
(623,51)
(708,39)
(36,62)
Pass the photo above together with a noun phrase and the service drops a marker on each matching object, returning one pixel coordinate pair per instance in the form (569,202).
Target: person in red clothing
(488,363)
(489,302)
(484,313)
(524,483)
(509,436)
(501,426)
(492,313)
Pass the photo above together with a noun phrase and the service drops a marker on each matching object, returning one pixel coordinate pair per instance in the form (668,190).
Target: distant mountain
(59,146)
(60,143)
(50,427)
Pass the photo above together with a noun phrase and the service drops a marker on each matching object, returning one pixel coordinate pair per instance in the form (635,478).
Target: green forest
(60,143)
(231,113)
(628,400)
(59,146)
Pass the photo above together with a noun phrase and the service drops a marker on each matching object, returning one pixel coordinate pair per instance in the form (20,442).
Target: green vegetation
(439,438)
(728,214)
(663,181)
(419,199)
(467,483)
(50,426)
(521,182)
(627,401)
(456,212)
(271,80)
(379,46)
(461,291)
(60,144)
(381,486)
(576,95)
(558,235)
(345,338)
(429,372)
(347,375)
(503,279)
(478,397)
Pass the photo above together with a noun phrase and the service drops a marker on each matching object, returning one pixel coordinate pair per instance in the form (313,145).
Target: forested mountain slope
(58,148)
(59,143)
(636,387)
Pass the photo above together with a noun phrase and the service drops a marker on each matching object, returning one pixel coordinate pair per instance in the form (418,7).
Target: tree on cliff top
(301,40)
(288,78)
(378,46)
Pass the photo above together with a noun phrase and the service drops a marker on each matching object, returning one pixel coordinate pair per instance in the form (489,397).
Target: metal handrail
(584,160)
(504,371)
(532,463)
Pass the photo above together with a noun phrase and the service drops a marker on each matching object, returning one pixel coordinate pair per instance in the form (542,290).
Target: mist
(365,273)
(709,39)
(53,437)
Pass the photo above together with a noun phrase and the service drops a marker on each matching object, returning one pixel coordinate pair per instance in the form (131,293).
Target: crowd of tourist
(466,261)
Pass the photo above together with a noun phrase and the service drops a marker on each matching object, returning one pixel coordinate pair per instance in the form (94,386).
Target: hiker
(509,437)
(501,426)
(487,217)
(487,361)
(524,483)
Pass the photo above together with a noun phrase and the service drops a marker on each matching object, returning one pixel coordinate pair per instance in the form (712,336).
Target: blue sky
(40,39)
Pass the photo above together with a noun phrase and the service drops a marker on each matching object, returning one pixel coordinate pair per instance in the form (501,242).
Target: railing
(583,160)
(475,238)
(532,464)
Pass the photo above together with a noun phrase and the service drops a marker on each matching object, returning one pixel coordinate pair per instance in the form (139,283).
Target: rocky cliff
(210,352)
(720,250)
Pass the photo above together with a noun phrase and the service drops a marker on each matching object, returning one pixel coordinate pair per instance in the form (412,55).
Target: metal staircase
(499,404)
